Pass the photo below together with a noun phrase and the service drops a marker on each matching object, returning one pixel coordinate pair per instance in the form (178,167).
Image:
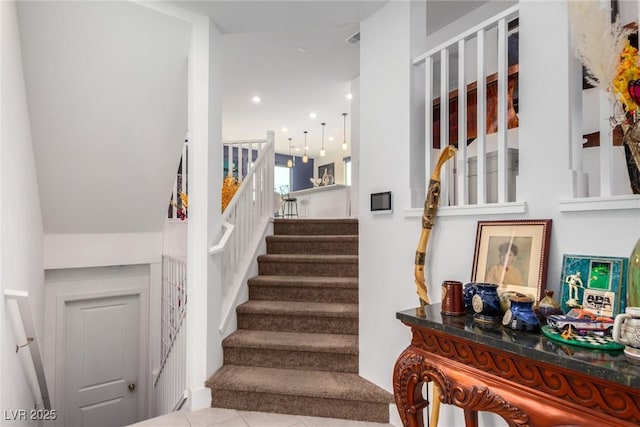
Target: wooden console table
(526,378)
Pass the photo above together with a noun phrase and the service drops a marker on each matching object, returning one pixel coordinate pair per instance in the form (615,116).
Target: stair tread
(316,220)
(318,384)
(299,308)
(308,258)
(308,281)
(296,341)
(314,237)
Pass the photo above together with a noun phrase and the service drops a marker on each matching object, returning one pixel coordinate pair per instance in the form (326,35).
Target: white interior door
(101,362)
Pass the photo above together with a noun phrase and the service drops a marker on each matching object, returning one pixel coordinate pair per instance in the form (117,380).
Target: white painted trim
(600,203)
(472,210)
(101,249)
(199,398)
(54,328)
(493,20)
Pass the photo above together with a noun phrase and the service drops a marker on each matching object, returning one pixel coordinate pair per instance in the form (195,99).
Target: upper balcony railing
(477,116)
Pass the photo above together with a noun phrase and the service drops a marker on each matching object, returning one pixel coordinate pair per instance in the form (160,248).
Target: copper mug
(452,298)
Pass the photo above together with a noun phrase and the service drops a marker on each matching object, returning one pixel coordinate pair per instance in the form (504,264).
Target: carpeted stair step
(303,288)
(295,316)
(299,392)
(308,265)
(318,245)
(292,350)
(337,226)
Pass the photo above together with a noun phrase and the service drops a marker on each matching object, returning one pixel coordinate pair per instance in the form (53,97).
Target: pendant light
(344,134)
(290,161)
(322,152)
(305,159)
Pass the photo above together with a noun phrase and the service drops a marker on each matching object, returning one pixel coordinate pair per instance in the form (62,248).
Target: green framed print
(595,283)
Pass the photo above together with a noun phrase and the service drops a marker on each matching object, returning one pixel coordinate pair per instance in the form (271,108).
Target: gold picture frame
(513,254)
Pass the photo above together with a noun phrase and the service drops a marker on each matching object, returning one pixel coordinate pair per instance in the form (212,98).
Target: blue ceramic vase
(486,303)
(520,315)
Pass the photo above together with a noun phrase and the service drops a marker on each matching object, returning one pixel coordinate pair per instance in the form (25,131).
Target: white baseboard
(394,417)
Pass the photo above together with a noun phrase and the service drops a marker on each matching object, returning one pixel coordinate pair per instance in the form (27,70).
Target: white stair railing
(239,156)
(483,37)
(170,384)
(32,361)
(245,220)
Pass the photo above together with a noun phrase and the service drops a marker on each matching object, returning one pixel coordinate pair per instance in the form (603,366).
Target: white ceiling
(293,54)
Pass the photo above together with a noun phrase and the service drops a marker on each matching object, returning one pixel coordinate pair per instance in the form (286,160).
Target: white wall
(21,220)
(387,243)
(355,147)
(109,115)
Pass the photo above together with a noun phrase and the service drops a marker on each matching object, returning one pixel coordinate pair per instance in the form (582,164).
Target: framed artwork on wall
(513,255)
(326,174)
(595,283)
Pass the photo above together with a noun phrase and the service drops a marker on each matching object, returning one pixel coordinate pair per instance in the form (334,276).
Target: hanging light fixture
(322,152)
(290,161)
(305,159)
(344,134)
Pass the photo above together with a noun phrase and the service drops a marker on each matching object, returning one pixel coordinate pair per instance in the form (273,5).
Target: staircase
(296,347)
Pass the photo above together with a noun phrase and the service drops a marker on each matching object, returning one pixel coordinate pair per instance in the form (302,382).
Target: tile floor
(216,417)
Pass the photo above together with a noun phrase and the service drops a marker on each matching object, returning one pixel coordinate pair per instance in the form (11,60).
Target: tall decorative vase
(633,277)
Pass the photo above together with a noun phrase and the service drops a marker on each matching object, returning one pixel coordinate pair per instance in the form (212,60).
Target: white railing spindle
(502,111)
(461,158)
(481,125)
(428,118)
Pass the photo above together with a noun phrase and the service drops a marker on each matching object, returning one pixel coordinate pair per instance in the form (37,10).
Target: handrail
(223,240)
(22,299)
(471,31)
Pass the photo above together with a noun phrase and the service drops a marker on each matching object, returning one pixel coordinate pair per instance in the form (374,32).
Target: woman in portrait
(504,272)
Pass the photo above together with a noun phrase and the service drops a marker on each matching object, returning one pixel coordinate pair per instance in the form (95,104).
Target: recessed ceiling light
(306,148)
(256,99)
(330,138)
(285,129)
(349,96)
(313,115)
(302,49)
(297,148)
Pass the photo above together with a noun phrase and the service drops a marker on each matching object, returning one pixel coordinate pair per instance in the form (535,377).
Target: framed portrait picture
(513,255)
(595,283)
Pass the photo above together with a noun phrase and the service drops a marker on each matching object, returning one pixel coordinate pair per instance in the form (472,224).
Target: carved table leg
(407,386)
(470,418)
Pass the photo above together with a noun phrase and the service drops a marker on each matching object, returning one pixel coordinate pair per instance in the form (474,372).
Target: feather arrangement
(598,41)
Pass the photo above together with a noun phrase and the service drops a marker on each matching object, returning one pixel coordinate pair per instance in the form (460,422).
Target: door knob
(132,387)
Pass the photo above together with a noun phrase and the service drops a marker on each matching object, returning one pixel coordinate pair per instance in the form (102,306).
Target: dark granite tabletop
(609,365)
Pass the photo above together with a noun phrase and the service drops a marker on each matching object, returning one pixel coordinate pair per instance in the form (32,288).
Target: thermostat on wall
(381,202)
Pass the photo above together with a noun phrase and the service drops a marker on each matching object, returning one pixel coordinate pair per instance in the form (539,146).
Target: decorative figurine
(548,305)
(574,283)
